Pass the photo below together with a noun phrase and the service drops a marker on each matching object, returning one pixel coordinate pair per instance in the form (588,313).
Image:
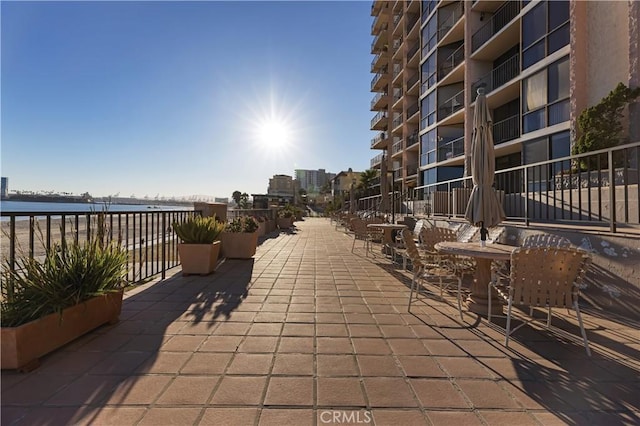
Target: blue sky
(179,98)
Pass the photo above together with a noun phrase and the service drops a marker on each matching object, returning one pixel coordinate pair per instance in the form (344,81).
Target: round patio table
(478,300)
(388,229)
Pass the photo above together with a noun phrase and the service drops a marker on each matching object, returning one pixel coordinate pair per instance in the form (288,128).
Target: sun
(273,133)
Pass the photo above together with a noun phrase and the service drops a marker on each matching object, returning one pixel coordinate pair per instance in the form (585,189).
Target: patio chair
(545,240)
(429,237)
(440,270)
(361,232)
(544,277)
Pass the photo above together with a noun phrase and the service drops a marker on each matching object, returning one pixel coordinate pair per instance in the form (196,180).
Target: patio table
(478,300)
(388,230)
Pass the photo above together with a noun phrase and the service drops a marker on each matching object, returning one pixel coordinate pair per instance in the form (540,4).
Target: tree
(600,125)
(366,179)
(237,196)
(244,201)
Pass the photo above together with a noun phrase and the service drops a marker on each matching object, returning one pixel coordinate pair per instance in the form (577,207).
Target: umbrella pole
(483,234)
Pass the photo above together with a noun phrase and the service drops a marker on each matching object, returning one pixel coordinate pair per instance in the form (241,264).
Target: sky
(181,98)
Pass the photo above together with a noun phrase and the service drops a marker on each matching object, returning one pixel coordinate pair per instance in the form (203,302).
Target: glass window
(559,80)
(533,121)
(534,92)
(429,35)
(533,54)
(558,13)
(534,25)
(559,112)
(558,39)
(560,147)
(429,72)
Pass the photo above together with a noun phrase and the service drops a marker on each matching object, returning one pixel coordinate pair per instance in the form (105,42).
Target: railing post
(526,196)
(612,193)
(164,243)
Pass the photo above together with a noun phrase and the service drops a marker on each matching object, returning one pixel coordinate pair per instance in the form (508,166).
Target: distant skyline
(182,98)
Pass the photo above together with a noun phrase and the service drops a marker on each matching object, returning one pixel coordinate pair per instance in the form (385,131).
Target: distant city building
(312,181)
(281,186)
(342,182)
(5,187)
(224,200)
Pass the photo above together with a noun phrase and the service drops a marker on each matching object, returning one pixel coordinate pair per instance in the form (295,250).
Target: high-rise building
(4,191)
(541,63)
(313,181)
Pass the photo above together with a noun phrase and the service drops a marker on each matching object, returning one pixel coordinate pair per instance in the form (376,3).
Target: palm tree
(237,196)
(366,179)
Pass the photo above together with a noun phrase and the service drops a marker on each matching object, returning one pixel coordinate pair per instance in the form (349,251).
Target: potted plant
(240,238)
(50,302)
(200,244)
(285,217)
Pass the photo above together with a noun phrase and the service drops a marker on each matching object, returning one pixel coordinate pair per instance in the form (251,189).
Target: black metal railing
(413,80)
(412,139)
(599,188)
(148,236)
(503,73)
(498,21)
(412,110)
(378,138)
(397,121)
(379,116)
(451,62)
(413,49)
(412,19)
(451,105)
(450,148)
(454,14)
(396,147)
(377,98)
(506,130)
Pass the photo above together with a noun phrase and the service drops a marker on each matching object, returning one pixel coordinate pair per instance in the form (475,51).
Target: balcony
(412,20)
(452,61)
(379,100)
(379,61)
(454,14)
(377,141)
(451,105)
(412,139)
(378,119)
(397,94)
(498,21)
(506,130)
(498,76)
(413,111)
(411,81)
(450,148)
(397,147)
(376,160)
(412,169)
(397,122)
(378,79)
(415,47)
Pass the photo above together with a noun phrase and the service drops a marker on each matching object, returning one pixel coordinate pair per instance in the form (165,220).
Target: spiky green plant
(242,224)
(199,230)
(35,288)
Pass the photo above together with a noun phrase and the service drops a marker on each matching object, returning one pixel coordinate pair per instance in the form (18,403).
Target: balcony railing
(379,116)
(413,80)
(412,19)
(498,21)
(397,43)
(413,50)
(397,69)
(506,130)
(451,62)
(397,121)
(377,98)
(397,147)
(377,78)
(451,105)
(498,76)
(412,169)
(412,139)
(396,19)
(450,148)
(455,13)
(598,188)
(413,109)
(378,138)
(397,94)
(376,160)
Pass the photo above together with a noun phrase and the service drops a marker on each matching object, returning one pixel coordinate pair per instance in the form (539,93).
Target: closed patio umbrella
(384,186)
(484,208)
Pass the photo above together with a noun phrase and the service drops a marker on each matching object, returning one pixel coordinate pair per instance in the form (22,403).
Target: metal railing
(413,80)
(412,139)
(397,147)
(451,105)
(498,21)
(597,188)
(451,62)
(413,49)
(455,13)
(450,148)
(376,160)
(506,130)
(377,98)
(412,110)
(148,236)
(379,116)
(377,78)
(397,121)
(498,76)
(378,138)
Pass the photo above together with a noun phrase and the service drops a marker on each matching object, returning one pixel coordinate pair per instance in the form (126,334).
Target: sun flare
(273,133)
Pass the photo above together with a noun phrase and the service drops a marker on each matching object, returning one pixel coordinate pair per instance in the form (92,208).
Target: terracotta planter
(22,346)
(239,245)
(199,259)
(285,222)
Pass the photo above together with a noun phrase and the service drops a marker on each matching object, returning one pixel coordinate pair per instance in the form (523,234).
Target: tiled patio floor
(308,333)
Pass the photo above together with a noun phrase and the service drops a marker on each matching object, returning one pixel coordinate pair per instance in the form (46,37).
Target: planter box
(284,222)
(239,245)
(199,259)
(22,346)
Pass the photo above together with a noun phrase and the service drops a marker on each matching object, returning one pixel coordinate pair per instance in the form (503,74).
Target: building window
(545,148)
(430,35)
(545,29)
(429,76)
(428,148)
(545,97)
(428,110)
(427,8)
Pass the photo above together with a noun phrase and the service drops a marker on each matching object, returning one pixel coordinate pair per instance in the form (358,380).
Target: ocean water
(45,207)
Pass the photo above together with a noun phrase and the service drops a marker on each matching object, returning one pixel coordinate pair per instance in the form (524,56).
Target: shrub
(199,230)
(242,224)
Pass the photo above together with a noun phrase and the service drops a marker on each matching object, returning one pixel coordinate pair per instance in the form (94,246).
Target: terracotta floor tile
(336,365)
(421,366)
(340,392)
(438,393)
(370,346)
(359,318)
(278,317)
(486,394)
(275,307)
(509,418)
(378,365)
(62,415)
(122,363)
(258,344)
(364,330)
(136,390)
(331,330)
(397,331)
(229,416)
(407,347)
(388,392)
(232,329)
(188,390)
(296,344)
(170,416)
(221,344)
(236,316)
(442,347)
(334,345)
(300,317)
(458,418)
(183,343)
(285,417)
(85,390)
(463,368)
(330,318)
(74,363)
(293,364)
(114,416)
(298,330)
(193,328)
(236,390)
(206,363)
(302,308)
(265,329)
(290,391)
(250,363)
(399,417)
